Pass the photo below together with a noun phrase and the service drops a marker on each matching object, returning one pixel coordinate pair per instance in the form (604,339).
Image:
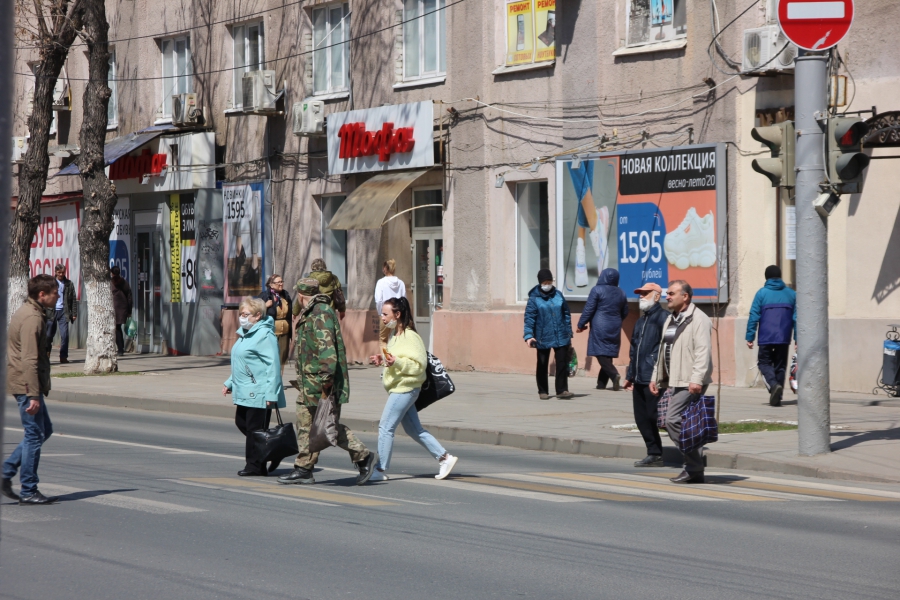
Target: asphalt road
(151,507)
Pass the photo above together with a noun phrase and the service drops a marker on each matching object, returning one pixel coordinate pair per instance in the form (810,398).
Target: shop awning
(118,147)
(367,205)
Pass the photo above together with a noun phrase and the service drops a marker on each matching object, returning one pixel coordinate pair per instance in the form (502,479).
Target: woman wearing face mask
(278,306)
(548,326)
(404,360)
(255,380)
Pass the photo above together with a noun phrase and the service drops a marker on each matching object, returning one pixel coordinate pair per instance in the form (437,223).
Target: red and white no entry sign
(815,24)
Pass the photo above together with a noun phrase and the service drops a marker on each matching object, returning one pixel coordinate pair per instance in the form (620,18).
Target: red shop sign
(135,167)
(356,141)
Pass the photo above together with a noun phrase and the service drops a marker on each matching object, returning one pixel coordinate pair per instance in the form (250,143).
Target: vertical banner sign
(56,243)
(656,216)
(175,244)
(188,250)
(120,239)
(545,28)
(243,218)
(519,32)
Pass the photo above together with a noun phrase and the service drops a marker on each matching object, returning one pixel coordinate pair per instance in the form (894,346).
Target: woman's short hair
(391,265)
(255,305)
(272,278)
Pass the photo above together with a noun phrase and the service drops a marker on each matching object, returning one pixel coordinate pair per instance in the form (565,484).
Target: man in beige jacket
(685,365)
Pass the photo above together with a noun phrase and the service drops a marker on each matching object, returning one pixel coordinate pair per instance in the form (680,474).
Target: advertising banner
(188,250)
(545,30)
(244,258)
(120,239)
(56,243)
(519,32)
(655,215)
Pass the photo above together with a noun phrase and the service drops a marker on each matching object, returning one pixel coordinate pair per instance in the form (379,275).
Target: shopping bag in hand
(276,443)
(662,408)
(437,383)
(323,432)
(698,424)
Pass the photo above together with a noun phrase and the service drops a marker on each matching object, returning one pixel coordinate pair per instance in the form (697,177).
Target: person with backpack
(548,326)
(774,313)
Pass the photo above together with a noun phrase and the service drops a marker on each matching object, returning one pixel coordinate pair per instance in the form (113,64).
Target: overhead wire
(712,60)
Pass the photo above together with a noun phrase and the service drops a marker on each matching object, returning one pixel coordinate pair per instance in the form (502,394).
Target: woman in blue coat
(548,325)
(605,309)
(255,381)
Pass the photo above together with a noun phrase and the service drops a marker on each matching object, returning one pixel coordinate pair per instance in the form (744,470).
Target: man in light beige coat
(685,365)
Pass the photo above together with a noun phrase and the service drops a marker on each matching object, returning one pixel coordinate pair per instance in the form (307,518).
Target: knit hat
(307,286)
(318,265)
(773,272)
(545,275)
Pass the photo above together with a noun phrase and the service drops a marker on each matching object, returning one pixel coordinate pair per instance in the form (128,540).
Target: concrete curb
(714,459)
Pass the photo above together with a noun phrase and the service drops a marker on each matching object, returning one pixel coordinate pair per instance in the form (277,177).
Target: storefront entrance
(428,271)
(148,300)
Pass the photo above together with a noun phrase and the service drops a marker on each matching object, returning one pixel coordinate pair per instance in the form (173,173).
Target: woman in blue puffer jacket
(548,325)
(605,309)
(255,380)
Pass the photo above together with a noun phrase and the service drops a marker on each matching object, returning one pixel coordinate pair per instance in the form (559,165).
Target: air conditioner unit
(309,117)
(19,148)
(259,91)
(767,49)
(185,110)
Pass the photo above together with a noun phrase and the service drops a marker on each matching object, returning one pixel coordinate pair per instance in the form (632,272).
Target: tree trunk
(99,197)
(54,48)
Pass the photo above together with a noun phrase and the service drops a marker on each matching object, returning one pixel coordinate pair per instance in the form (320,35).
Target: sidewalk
(503,409)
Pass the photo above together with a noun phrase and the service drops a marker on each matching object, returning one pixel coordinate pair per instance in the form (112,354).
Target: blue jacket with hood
(256,367)
(605,309)
(774,310)
(547,319)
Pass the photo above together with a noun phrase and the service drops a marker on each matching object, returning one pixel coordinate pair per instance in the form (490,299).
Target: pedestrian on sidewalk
(255,381)
(278,306)
(122,305)
(685,364)
(322,370)
(404,361)
(774,311)
(28,380)
(389,286)
(645,340)
(605,309)
(66,311)
(548,326)
(329,285)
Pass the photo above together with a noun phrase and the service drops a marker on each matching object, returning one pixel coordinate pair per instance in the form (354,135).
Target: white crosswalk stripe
(117,500)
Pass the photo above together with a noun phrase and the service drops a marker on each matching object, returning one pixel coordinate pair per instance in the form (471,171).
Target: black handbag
(274,444)
(437,383)
(323,431)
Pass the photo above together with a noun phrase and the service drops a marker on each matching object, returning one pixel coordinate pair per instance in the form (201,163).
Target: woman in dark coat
(605,309)
(278,306)
(122,304)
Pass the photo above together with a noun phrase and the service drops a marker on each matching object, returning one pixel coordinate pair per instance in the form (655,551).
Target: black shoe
(6,490)
(775,396)
(64,361)
(298,476)
(651,460)
(615,382)
(37,498)
(366,467)
(245,472)
(685,477)
(274,465)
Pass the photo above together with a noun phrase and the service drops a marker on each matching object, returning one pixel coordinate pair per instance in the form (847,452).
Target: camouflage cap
(318,265)
(307,286)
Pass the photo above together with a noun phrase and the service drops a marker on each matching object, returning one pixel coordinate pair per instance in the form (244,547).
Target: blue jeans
(61,322)
(27,454)
(400,408)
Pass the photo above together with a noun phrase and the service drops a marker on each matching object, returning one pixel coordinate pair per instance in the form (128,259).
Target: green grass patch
(81,374)
(754,426)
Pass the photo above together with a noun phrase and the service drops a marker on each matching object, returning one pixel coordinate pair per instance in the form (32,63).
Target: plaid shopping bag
(662,408)
(698,424)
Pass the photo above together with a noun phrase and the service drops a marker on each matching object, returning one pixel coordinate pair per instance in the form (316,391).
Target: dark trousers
(61,322)
(562,369)
(250,419)
(120,339)
(646,407)
(607,371)
(772,361)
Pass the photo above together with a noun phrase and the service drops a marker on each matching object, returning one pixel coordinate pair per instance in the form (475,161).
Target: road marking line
(571,480)
(709,488)
(552,489)
(47,455)
(813,485)
(296,490)
(121,501)
(499,491)
(25,515)
(247,492)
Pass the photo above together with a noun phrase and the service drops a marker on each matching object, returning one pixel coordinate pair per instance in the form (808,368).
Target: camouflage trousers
(346,438)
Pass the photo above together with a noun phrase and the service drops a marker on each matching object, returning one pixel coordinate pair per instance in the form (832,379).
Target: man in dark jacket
(548,325)
(645,341)
(774,310)
(66,311)
(605,309)
(122,305)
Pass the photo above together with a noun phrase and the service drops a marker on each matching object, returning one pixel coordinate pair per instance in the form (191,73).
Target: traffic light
(780,140)
(846,162)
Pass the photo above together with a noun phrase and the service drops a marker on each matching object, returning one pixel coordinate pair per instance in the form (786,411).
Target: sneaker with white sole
(447,465)
(693,243)
(378,476)
(581,276)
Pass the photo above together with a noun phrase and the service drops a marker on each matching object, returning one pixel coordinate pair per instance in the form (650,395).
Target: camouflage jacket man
(321,355)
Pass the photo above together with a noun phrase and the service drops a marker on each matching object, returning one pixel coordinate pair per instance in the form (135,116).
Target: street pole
(813,393)
(6,109)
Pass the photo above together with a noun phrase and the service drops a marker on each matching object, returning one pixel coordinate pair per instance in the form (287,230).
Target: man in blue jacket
(774,311)
(548,325)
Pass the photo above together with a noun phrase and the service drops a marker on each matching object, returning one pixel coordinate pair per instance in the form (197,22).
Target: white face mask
(546,288)
(245,322)
(647,303)
(392,324)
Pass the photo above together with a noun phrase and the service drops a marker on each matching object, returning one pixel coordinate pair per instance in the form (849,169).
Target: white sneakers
(378,476)
(581,278)
(693,243)
(447,465)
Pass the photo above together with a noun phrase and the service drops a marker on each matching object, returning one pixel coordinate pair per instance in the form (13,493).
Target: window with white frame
(61,95)
(424,38)
(112,110)
(532,234)
(334,241)
(331,50)
(654,21)
(249,55)
(177,70)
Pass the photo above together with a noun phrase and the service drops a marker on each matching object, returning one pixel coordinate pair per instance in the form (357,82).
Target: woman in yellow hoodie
(404,373)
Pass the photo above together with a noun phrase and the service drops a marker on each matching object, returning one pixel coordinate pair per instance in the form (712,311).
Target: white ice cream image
(693,243)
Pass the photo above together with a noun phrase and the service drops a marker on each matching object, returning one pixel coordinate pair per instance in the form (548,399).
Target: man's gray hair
(685,287)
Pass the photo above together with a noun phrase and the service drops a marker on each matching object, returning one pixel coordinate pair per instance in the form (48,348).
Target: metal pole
(813,394)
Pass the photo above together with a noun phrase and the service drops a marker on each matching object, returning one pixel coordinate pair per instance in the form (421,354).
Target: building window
(334,241)
(249,55)
(177,71)
(653,21)
(331,53)
(532,233)
(112,110)
(433,215)
(424,38)
(530,31)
